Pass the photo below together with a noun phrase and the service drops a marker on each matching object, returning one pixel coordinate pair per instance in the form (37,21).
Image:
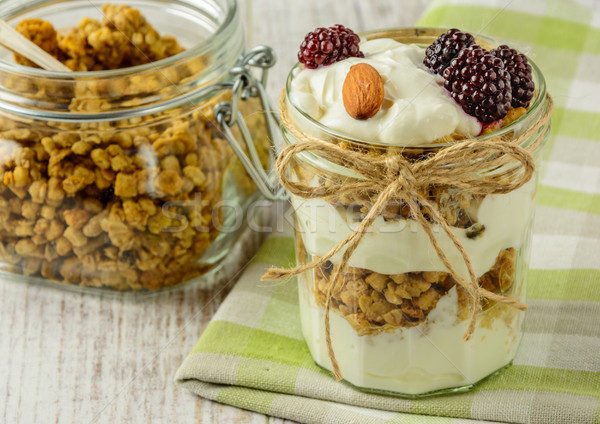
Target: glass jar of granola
(121,175)
(425,294)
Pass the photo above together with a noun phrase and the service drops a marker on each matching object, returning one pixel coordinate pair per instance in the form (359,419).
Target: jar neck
(134,91)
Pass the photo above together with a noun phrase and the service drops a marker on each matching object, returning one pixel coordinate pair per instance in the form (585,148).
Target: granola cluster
(114,209)
(373,302)
(122,39)
(129,204)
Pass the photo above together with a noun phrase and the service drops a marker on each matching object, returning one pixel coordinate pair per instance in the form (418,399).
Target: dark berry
(478,81)
(439,54)
(520,73)
(325,46)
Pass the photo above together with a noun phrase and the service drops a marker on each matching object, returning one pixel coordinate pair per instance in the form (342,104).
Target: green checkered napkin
(252,354)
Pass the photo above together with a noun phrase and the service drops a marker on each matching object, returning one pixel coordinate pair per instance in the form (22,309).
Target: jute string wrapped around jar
(394,178)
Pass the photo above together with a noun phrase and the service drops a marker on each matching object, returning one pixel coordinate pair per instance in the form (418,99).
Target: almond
(362,91)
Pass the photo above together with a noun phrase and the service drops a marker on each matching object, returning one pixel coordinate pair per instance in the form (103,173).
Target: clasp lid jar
(117,175)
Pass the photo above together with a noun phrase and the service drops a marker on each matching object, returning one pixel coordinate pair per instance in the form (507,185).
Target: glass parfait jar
(124,179)
(397,315)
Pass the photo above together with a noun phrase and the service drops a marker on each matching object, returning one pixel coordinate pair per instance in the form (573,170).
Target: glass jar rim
(198,49)
(535,106)
(223,43)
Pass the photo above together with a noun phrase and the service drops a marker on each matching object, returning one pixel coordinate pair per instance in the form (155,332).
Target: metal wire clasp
(245,85)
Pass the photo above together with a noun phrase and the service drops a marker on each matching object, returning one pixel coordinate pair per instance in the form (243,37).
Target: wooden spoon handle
(16,42)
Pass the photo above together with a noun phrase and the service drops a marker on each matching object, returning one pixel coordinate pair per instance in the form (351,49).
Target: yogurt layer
(416,109)
(400,246)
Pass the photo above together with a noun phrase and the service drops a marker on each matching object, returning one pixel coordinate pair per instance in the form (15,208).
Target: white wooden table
(72,358)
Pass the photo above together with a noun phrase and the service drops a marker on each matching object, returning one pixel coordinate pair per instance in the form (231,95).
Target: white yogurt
(416,109)
(421,359)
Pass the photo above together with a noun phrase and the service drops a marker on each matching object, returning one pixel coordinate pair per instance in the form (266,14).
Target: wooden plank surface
(73,358)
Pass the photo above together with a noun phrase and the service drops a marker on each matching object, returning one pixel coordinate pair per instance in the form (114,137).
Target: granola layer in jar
(397,314)
(117,175)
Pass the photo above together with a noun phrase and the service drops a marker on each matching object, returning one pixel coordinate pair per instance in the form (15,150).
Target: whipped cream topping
(416,109)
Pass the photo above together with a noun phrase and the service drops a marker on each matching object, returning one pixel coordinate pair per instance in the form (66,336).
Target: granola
(372,302)
(122,39)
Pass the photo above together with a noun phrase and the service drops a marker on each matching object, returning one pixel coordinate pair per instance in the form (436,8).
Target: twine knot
(401,172)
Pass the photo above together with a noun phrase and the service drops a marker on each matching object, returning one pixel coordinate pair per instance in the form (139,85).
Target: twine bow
(468,165)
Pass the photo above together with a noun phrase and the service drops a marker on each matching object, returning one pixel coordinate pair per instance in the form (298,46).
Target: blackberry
(445,48)
(477,80)
(325,46)
(520,74)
